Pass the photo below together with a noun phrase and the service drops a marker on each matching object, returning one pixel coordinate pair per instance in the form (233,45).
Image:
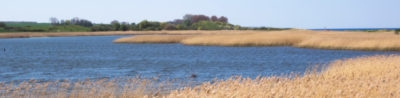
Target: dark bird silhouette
(193,76)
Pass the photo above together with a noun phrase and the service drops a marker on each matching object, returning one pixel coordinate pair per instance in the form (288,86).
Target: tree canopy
(187,22)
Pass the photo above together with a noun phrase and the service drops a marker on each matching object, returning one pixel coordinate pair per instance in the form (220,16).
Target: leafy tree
(170,27)
(124,26)
(81,22)
(187,23)
(223,19)
(149,25)
(54,21)
(133,26)
(187,17)
(198,18)
(3,25)
(194,18)
(62,22)
(181,27)
(207,25)
(214,18)
(163,24)
(397,31)
(116,25)
(143,24)
(67,22)
(75,20)
(2,30)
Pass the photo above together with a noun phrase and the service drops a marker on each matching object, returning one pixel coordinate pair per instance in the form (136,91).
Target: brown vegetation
(375,41)
(255,38)
(375,76)
(104,88)
(380,41)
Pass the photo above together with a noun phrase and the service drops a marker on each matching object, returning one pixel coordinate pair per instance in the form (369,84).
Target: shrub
(2,30)
(124,26)
(81,22)
(102,28)
(397,31)
(2,25)
(169,27)
(209,25)
(181,27)
(116,25)
(149,25)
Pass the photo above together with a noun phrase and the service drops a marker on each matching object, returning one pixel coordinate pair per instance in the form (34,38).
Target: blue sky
(272,13)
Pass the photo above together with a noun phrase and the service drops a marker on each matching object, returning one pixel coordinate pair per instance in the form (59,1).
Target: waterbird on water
(193,76)
(4,49)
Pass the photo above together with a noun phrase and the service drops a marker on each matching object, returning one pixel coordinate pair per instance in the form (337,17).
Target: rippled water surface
(96,57)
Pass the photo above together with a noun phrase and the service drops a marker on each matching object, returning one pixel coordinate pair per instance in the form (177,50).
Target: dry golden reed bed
(375,41)
(250,38)
(375,77)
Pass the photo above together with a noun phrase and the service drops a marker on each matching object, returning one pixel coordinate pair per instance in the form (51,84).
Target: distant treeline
(39,27)
(188,22)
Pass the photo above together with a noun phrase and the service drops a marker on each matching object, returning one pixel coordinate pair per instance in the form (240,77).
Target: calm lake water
(96,57)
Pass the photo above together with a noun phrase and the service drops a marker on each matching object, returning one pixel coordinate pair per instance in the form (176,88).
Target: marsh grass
(276,38)
(376,41)
(374,76)
(104,88)
(382,41)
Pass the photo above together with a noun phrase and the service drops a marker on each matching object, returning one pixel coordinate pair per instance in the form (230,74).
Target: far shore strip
(61,34)
(339,40)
